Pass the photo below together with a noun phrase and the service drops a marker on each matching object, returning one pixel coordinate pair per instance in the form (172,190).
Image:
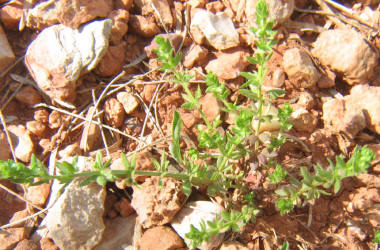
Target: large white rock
(192,214)
(118,233)
(347,53)
(59,55)
(217,28)
(76,219)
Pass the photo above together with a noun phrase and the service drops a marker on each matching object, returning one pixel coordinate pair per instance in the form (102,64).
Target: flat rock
(161,237)
(346,52)
(5,152)
(229,64)
(279,11)
(162,12)
(27,245)
(10,237)
(22,143)
(75,221)
(6,54)
(157,205)
(218,29)
(59,55)
(300,68)
(192,214)
(36,127)
(118,233)
(38,195)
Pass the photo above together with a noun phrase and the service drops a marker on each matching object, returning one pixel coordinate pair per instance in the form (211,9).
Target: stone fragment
(41,115)
(148,92)
(27,245)
(218,29)
(10,237)
(346,52)
(340,117)
(6,54)
(215,6)
(143,26)
(278,78)
(228,65)
(47,244)
(157,205)
(22,143)
(36,127)
(303,120)
(124,207)
(75,221)
(11,13)
(38,195)
(114,112)
(233,245)
(192,214)
(69,151)
(210,106)
(306,100)
(58,56)
(300,68)
(123,4)
(161,237)
(368,98)
(120,20)
(194,55)
(113,61)
(19,215)
(9,204)
(55,119)
(73,13)
(279,11)
(28,95)
(5,151)
(162,12)
(42,14)
(90,139)
(118,233)
(129,101)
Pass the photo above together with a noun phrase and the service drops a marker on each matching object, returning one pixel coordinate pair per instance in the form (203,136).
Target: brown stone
(6,54)
(194,55)
(114,112)
(22,143)
(129,101)
(228,64)
(123,4)
(55,119)
(157,205)
(27,245)
(91,133)
(120,20)
(10,237)
(41,115)
(124,207)
(38,195)
(48,244)
(113,61)
(36,127)
(11,13)
(161,237)
(143,26)
(210,107)
(73,13)
(4,147)
(28,95)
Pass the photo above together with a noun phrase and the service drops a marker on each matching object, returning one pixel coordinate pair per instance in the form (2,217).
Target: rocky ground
(66,63)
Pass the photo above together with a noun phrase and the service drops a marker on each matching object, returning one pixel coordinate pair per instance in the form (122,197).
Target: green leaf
(174,147)
(376,239)
(249,94)
(278,175)
(186,187)
(285,246)
(274,93)
(101,180)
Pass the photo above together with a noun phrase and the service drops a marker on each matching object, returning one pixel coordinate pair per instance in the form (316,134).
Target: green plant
(313,185)
(376,239)
(221,173)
